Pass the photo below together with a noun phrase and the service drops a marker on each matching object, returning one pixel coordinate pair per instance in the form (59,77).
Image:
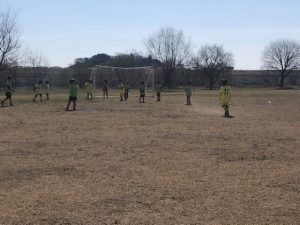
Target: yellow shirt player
(188,90)
(38,91)
(122,90)
(105,89)
(87,88)
(91,89)
(158,88)
(225,97)
(47,90)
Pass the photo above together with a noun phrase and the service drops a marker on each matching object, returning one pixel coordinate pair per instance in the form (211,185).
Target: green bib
(73,90)
(8,87)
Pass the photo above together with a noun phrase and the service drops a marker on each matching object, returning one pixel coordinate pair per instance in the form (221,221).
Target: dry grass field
(163,163)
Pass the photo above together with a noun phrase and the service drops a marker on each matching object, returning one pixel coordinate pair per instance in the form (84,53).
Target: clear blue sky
(67,29)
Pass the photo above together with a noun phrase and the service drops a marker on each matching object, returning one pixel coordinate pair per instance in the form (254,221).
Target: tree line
(167,48)
(119,60)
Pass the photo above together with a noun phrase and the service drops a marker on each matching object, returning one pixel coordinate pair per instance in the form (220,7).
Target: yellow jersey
(47,89)
(38,89)
(87,87)
(91,88)
(121,88)
(225,95)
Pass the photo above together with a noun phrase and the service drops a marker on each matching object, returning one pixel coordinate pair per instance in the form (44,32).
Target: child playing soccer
(122,90)
(126,90)
(225,97)
(87,89)
(105,89)
(38,91)
(73,94)
(91,90)
(188,89)
(47,90)
(158,88)
(142,92)
(8,90)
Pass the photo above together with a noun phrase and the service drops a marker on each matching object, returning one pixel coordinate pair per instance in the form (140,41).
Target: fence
(59,77)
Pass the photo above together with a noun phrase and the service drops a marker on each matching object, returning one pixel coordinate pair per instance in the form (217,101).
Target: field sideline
(113,162)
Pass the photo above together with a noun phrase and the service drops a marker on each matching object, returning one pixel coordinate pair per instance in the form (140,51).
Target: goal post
(132,75)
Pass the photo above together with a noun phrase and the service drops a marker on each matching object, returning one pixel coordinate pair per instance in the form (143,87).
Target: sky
(63,30)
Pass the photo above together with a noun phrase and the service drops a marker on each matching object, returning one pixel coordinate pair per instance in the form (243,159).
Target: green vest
(158,88)
(73,90)
(189,90)
(142,89)
(8,87)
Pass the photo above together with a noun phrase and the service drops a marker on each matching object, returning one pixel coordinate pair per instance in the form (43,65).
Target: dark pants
(142,98)
(126,94)
(8,97)
(72,99)
(158,96)
(188,100)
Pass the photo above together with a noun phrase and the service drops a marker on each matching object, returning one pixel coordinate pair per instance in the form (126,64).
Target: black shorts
(8,95)
(105,89)
(158,94)
(72,99)
(142,95)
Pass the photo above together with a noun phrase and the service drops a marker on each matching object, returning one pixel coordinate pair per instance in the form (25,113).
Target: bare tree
(171,48)
(282,56)
(36,64)
(9,38)
(213,60)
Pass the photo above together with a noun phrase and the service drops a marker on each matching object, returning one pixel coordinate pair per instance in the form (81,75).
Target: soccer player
(73,94)
(188,90)
(225,97)
(126,90)
(91,90)
(47,90)
(158,88)
(105,89)
(38,91)
(87,89)
(142,92)
(122,90)
(8,91)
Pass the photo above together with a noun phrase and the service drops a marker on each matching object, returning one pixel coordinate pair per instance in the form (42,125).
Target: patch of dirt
(115,162)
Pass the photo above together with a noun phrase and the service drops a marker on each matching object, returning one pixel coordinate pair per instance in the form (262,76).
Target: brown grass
(153,163)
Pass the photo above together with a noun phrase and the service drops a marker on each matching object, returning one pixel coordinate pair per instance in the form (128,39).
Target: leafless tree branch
(213,60)
(9,38)
(171,48)
(283,56)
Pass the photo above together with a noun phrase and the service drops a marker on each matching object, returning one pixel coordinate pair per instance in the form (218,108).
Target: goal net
(133,76)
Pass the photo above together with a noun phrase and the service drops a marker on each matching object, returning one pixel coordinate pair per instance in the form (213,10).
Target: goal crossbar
(121,68)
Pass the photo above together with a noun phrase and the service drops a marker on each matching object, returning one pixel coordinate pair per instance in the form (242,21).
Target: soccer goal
(132,75)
